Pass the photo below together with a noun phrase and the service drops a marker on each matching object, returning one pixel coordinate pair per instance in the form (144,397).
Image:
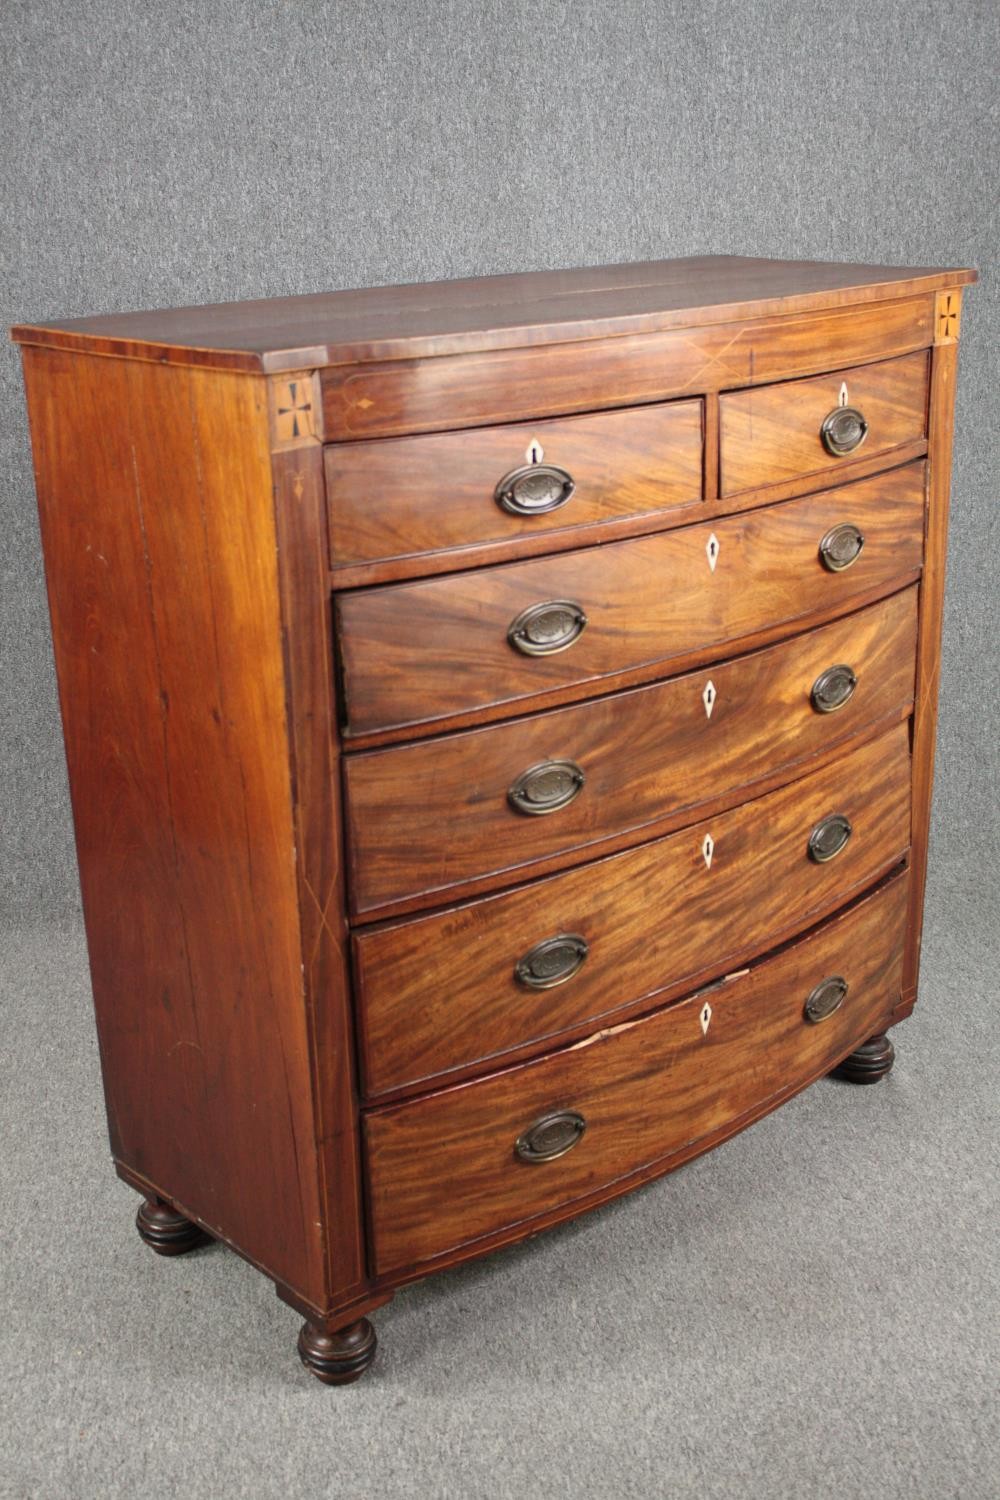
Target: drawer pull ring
(827,997)
(547,787)
(829,837)
(841,547)
(545,629)
(844,429)
(551,1136)
(534,489)
(552,961)
(833,688)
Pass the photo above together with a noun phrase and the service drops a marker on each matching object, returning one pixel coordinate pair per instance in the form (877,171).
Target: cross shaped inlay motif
(947,311)
(294,418)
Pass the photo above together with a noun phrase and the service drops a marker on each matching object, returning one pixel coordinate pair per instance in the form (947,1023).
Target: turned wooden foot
(872,1061)
(337,1358)
(166,1231)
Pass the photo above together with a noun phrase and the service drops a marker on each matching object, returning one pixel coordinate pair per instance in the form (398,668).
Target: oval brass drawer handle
(829,837)
(547,787)
(841,547)
(551,1136)
(544,629)
(843,430)
(833,688)
(552,961)
(827,997)
(534,489)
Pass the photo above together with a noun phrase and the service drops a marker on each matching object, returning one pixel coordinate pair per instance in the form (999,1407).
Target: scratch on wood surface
(185,1043)
(608,1031)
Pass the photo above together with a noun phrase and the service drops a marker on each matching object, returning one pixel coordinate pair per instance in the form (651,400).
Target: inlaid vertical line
(710,436)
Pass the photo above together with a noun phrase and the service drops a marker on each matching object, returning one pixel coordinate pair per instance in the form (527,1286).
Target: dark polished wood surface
(652,758)
(769,435)
(415,565)
(423,654)
(166,1231)
(423,394)
(449,317)
(154,489)
(944,373)
(302,541)
(439,994)
(868,1063)
(437,492)
(443,1169)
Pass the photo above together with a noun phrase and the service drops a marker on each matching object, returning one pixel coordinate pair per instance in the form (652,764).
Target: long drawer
(512,973)
(537,1141)
(426,652)
(477,809)
(774,433)
(401,497)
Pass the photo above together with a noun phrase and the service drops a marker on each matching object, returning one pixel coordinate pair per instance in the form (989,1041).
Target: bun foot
(872,1061)
(337,1358)
(166,1231)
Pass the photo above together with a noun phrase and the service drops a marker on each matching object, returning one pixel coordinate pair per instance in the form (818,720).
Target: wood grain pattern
(154,488)
(453,317)
(944,372)
(509,385)
(439,994)
(424,653)
(482,554)
(442,1169)
(770,435)
(429,820)
(301,537)
(395,498)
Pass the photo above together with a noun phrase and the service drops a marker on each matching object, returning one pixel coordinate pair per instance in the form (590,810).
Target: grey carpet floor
(808,1311)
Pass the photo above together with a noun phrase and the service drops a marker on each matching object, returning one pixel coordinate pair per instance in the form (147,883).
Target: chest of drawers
(500,728)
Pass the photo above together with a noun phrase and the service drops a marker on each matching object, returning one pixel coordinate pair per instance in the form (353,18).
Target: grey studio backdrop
(199,152)
(208,150)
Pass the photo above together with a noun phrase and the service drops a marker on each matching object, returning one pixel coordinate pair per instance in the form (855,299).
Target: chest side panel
(154,488)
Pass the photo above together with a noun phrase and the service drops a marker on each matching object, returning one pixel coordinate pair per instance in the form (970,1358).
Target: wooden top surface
(488,312)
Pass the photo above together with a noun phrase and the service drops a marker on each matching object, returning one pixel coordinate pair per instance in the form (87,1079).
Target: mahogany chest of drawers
(500,726)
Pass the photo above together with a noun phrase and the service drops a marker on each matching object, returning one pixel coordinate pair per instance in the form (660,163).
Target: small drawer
(499,487)
(541,1140)
(774,433)
(511,973)
(422,653)
(481,808)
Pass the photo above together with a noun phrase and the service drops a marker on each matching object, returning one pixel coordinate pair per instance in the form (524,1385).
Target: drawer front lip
(438,995)
(430,821)
(771,434)
(402,497)
(442,1174)
(421,655)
